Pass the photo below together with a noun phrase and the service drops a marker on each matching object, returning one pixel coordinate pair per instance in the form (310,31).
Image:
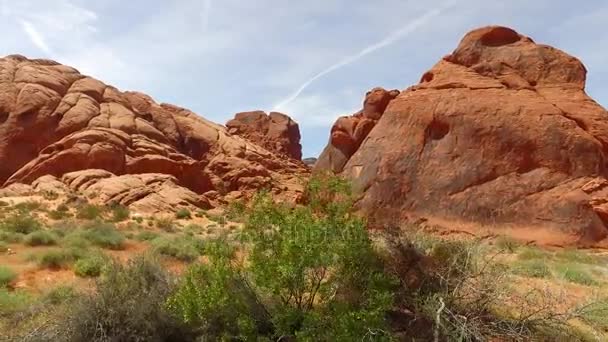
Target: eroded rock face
(348,132)
(54,121)
(276,132)
(499,132)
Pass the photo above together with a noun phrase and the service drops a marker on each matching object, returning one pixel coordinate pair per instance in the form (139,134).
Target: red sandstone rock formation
(276,132)
(499,132)
(348,132)
(55,121)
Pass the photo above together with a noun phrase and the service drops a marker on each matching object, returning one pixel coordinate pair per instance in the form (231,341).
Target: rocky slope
(56,122)
(500,131)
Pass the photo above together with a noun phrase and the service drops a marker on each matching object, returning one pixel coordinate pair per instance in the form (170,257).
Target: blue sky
(219,57)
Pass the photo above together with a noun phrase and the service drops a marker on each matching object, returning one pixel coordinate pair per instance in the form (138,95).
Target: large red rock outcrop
(499,132)
(54,121)
(348,132)
(276,132)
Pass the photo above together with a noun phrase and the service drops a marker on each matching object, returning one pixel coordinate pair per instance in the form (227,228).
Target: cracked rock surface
(499,132)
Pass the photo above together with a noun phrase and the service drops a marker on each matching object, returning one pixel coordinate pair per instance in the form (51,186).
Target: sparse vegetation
(146,235)
(55,259)
(90,266)
(183,214)
(7,275)
(89,212)
(165,224)
(120,213)
(575,273)
(183,247)
(40,238)
(104,235)
(21,223)
(532,268)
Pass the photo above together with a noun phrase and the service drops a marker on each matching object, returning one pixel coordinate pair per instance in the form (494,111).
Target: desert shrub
(6,276)
(4,204)
(128,305)
(182,247)
(28,206)
(507,244)
(50,195)
(91,265)
(40,238)
(146,235)
(89,212)
(165,224)
(105,235)
(531,253)
(11,237)
(138,219)
(183,214)
(56,258)
(219,219)
(59,295)
(59,215)
(575,273)
(120,213)
(22,223)
(532,268)
(3,247)
(236,211)
(312,274)
(578,256)
(13,301)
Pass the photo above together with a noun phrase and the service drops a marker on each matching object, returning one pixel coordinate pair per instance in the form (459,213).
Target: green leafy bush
(40,238)
(13,301)
(6,276)
(183,214)
(314,275)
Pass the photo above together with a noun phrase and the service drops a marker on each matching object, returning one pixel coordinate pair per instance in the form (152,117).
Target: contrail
(205,14)
(392,38)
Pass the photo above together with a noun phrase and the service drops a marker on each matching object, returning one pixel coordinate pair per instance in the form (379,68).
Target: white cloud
(35,37)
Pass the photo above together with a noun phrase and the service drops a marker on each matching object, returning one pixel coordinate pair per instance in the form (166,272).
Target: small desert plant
(59,215)
(507,244)
(11,237)
(165,224)
(575,273)
(56,258)
(146,235)
(128,305)
(40,238)
(50,195)
(182,247)
(532,268)
(21,223)
(104,235)
(3,247)
(531,253)
(13,301)
(59,295)
(120,213)
(183,214)
(6,276)
(90,266)
(89,212)
(28,206)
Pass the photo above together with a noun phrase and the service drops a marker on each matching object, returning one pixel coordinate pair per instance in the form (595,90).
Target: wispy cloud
(401,33)
(35,37)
